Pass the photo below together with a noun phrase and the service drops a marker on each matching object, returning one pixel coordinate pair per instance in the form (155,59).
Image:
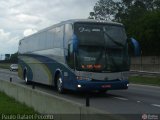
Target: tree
(146,29)
(141,19)
(14,58)
(104,10)
(135,8)
(7,56)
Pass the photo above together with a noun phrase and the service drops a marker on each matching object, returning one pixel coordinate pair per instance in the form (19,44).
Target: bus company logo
(144,117)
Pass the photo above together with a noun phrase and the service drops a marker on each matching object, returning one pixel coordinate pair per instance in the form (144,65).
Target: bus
(79,55)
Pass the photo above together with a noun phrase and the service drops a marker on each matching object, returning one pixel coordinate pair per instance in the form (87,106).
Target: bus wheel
(26,78)
(60,84)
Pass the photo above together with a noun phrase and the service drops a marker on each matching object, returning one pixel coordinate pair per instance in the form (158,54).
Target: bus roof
(89,21)
(75,21)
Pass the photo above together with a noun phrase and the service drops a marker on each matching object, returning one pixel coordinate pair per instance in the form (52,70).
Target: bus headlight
(83,78)
(79,86)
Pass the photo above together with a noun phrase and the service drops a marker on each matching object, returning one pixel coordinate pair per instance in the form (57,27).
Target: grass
(11,106)
(145,80)
(5,65)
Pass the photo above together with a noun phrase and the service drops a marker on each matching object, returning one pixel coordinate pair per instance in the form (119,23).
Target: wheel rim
(26,78)
(59,84)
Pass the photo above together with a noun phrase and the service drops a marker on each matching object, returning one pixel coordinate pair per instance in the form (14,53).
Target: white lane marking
(138,101)
(156,105)
(120,98)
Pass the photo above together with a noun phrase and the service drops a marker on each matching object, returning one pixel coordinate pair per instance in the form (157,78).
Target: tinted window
(90,34)
(68,34)
(68,45)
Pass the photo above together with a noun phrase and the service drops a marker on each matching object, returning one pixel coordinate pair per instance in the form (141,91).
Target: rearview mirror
(134,47)
(75,43)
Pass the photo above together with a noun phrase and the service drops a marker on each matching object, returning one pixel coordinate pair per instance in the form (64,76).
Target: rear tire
(26,78)
(59,84)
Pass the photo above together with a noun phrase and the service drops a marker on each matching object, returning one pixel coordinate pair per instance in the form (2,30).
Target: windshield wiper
(117,43)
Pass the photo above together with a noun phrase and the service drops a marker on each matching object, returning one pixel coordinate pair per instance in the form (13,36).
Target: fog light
(79,86)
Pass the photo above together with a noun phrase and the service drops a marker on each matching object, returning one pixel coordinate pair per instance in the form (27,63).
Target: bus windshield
(101,47)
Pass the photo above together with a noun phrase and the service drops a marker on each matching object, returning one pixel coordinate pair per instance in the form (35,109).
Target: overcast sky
(19,18)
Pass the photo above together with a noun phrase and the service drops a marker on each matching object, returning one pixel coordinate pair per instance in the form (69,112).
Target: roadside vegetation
(145,80)
(11,106)
(5,65)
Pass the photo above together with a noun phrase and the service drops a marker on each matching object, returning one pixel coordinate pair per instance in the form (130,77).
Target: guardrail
(45,103)
(144,73)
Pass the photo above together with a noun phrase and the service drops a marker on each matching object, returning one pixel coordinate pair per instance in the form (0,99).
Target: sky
(19,18)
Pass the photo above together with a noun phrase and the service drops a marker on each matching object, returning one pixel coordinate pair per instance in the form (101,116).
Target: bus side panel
(42,69)
(22,66)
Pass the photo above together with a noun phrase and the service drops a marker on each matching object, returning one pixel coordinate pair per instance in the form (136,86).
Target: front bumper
(84,85)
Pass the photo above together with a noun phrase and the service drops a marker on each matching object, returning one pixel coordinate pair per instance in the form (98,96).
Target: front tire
(59,84)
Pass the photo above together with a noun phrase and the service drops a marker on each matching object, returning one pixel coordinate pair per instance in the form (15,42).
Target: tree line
(12,59)
(141,19)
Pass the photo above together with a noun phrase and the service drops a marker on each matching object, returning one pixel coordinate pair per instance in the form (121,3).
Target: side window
(70,56)
(59,37)
(68,45)
(68,34)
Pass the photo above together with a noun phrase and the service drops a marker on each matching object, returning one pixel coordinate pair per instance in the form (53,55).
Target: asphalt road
(138,99)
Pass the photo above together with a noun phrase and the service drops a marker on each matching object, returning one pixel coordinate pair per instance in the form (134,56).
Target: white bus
(81,55)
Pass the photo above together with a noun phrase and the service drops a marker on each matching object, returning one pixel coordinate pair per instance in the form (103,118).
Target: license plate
(106,86)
